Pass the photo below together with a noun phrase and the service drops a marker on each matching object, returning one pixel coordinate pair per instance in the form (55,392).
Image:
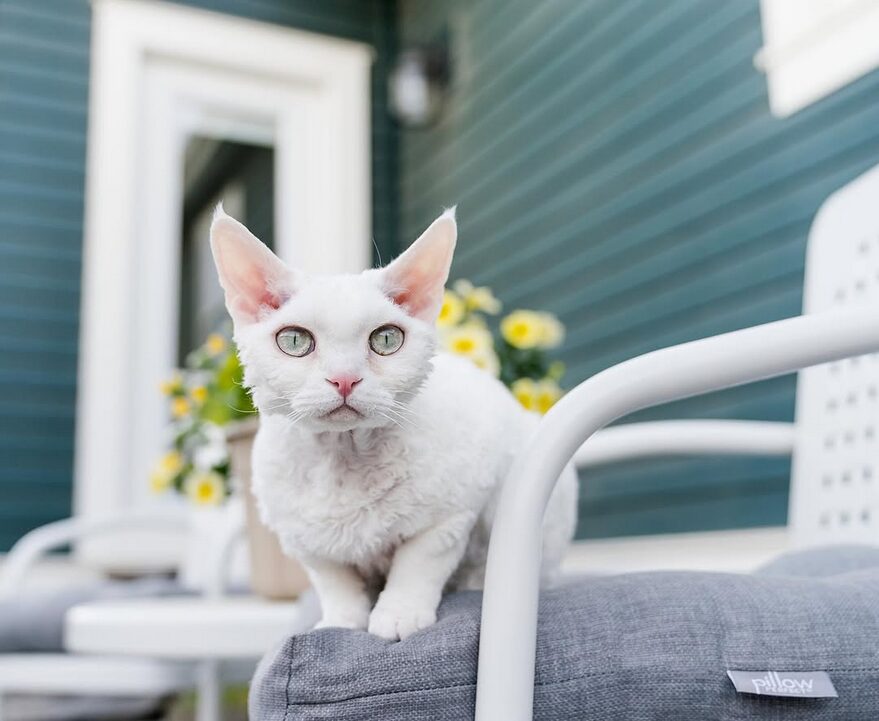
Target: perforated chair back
(835,480)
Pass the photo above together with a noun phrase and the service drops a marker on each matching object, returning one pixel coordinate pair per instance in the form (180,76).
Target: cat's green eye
(386,340)
(295,341)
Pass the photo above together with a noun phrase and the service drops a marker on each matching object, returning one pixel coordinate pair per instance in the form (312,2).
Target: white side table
(205,631)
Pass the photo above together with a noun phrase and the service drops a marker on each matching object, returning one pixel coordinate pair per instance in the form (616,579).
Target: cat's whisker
(405,410)
(295,415)
(402,418)
(392,420)
(402,406)
(384,412)
(242,410)
(272,409)
(406,413)
(279,404)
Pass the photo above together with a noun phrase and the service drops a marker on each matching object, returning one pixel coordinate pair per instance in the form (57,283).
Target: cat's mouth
(343,412)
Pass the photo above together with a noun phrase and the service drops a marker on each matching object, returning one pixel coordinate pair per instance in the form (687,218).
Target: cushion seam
(548,684)
(289,681)
(383,693)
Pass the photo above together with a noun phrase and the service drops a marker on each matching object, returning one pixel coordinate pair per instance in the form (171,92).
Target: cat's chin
(343,414)
(346,419)
(343,418)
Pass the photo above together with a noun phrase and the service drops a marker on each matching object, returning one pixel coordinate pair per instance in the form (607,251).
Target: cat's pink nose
(344,384)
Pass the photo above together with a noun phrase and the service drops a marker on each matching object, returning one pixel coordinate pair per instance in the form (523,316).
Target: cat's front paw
(356,619)
(398,620)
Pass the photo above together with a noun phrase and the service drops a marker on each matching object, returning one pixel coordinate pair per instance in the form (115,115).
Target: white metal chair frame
(833,442)
(505,684)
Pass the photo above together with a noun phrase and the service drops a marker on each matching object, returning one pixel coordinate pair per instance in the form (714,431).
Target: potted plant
(213,425)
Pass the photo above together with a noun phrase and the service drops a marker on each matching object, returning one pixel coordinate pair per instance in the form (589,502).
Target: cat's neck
(357,441)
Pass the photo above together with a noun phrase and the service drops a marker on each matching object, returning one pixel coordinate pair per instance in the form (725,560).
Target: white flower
(213,451)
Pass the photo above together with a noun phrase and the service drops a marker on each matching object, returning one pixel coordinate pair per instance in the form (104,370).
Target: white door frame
(160,73)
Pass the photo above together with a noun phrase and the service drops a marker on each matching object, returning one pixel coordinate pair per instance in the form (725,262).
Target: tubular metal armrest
(33,545)
(30,547)
(505,684)
(686,438)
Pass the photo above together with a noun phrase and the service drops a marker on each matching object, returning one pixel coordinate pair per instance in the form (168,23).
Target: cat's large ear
(415,280)
(254,279)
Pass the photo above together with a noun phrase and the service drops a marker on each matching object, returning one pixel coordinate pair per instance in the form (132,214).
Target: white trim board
(814,48)
(160,73)
(736,551)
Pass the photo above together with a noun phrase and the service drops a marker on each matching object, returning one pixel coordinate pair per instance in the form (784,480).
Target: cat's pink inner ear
(254,294)
(412,293)
(415,281)
(254,279)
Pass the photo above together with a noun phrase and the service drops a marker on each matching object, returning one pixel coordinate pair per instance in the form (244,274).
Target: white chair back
(835,480)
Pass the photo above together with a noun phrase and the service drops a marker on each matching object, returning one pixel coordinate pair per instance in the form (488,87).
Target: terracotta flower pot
(272,574)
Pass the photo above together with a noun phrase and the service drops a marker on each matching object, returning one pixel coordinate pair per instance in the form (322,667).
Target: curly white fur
(390,500)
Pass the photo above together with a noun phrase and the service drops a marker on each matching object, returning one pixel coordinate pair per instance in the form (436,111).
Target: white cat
(378,462)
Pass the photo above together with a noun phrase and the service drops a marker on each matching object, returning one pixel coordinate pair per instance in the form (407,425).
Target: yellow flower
(463,287)
(537,396)
(451,311)
(471,340)
(215,344)
(167,467)
(160,482)
(171,463)
(172,385)
(199,394)
(556,370)
(483,299)
(525,390)
(205,488)
(548,393)
(180,407)
(480,299)
(552,332)
(487,361)
(523,328)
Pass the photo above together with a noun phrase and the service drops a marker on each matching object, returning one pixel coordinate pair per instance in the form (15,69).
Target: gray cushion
(629,647)
(827,561)
(34,620)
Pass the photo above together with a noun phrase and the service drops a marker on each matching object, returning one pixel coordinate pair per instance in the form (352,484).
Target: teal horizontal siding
(615,162)
(43,106)
(44,75)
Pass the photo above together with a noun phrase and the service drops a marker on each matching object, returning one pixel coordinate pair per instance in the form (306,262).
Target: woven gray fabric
(817,562)
(633,647)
